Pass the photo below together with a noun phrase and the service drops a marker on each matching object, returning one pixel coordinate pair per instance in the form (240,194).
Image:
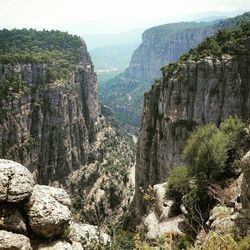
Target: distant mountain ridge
(109,61)
(160,45)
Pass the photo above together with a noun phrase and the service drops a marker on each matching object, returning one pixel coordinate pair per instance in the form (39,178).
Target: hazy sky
(95,16)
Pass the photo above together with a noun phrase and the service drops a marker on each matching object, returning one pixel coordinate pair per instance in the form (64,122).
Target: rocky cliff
(50,121)
(195,91)
(49,126)
(164,44)
(160,45)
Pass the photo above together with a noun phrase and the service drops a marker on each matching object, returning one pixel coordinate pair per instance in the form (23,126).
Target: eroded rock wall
(159,47)
(48,125)
(191,94)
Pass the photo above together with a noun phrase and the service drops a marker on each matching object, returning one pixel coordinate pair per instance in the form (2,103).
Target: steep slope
(207,85)
(160,45)
(50,121)
(49,106)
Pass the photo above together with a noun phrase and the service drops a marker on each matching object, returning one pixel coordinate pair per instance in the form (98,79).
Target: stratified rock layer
(192,93)
(163,44)
(48,125)
(160,45)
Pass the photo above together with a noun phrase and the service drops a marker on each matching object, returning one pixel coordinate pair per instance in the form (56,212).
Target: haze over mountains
(154,158)
(111,52)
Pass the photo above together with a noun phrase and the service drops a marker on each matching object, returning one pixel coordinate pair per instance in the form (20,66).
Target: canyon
(103,190)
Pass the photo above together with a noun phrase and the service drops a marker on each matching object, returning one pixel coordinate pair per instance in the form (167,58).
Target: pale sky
(96,16)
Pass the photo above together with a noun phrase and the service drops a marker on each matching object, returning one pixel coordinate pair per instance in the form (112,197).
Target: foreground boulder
(58,245)
(12,241)
(48,211)
(39,216)
(88,235)
(16,182)
(12,220)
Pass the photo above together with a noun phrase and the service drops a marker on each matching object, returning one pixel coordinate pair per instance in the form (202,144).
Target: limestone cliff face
(191,93)
(48,125)
(50,121)
(166,43)
(159,47)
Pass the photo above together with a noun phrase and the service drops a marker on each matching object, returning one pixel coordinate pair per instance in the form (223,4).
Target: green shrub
(206,152)
(213,154)
(123,240)
(233,130)
(77,203)
(244,244)
(178,185)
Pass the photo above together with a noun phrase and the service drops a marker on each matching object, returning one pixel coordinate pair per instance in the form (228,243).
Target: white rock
(57,245)
(157,229)
(220,219)
(16,182)
(88,234)
(162,205)
(48,211)
(12,241)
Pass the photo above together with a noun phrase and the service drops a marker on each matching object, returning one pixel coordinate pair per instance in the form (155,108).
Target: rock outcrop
(49,123)
(160,45)
(88,235)
(12,241)
(16,182)
(54,216)
(164,44)
(190,93)
(160,220)
(43,219)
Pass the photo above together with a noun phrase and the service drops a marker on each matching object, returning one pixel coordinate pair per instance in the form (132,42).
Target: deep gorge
(118,194)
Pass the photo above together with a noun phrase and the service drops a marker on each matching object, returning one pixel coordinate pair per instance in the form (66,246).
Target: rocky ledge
(228,216)
(38,217)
